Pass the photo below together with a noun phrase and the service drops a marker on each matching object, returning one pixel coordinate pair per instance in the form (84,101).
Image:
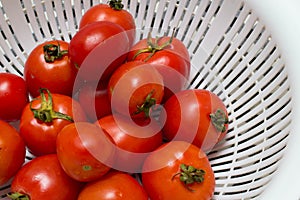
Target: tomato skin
(43,178)
(100,107)
(98,49)
(13,96)
(85,151)
(160,168)
(57,76)
(130,85)
(114,186)
(187,117)
(12,152)
(103,12)
(134,140)
(39,136)
(173,62)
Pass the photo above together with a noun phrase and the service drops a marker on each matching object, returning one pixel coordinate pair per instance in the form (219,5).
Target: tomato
(48,66)
(12,152)
(85,151)
(196,115)
(114,186)
(44,117)
(98,49)
(134,88)
(178,170)
(171,59)
(134,141)
(43,178)
(113,12)
(94,100)
(13,96)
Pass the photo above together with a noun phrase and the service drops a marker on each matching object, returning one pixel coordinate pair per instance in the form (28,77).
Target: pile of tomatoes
(108,118)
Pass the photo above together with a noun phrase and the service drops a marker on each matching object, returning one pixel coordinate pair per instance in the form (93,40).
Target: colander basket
(233,54)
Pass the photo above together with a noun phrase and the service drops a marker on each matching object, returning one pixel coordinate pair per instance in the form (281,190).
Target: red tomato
(43,178)
(12,152)
(134,88)
(134,141)
(114,186)
(44,117)
(98,49)
(196,115)
(13,96)
(113,12)
(171,58)
(85,151)
(94,100)
(48,66)
(178,170)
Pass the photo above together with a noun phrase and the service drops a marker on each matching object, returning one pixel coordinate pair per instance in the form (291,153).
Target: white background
(282,18)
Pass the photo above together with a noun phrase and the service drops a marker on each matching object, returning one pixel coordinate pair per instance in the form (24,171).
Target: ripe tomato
(48,66)
(94,100)
(97,49)
(13,96)
(12,152)
(43,178)
(178,170)
(85,151)
(113,12)
(134,141)
(196,115)
(134,88)
(171,59)
(114,186)
(44,117)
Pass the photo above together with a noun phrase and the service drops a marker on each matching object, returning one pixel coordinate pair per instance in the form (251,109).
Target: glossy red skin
(85,151)
(98,49)
(12,152)
(43,178)
(94,101)
(40,137)
(114,186)
(13,96)
(58,77)
(129,86)
(189,110)
(103,12)
(131,137)
(175,56)
(161,165)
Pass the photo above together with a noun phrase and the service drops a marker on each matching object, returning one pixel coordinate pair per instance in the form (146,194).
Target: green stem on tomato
(18,196)
(46,113)
(116,4)
(153,47)
(189,175)
(219,120)
(53,52)
(148,103)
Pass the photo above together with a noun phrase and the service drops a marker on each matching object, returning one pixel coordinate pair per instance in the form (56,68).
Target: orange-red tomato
(114,186)
(178,170)
(12,152)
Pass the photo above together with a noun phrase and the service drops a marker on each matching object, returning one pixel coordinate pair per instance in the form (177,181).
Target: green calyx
(189,175)
(46,113)
(148,103)
(53,52)
(18,196)
(219,119)
(153,47)
(116,4)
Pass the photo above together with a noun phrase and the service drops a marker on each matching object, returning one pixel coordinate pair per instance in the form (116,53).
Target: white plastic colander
(232,53)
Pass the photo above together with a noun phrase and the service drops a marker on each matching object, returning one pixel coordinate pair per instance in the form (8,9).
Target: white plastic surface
(283,19)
